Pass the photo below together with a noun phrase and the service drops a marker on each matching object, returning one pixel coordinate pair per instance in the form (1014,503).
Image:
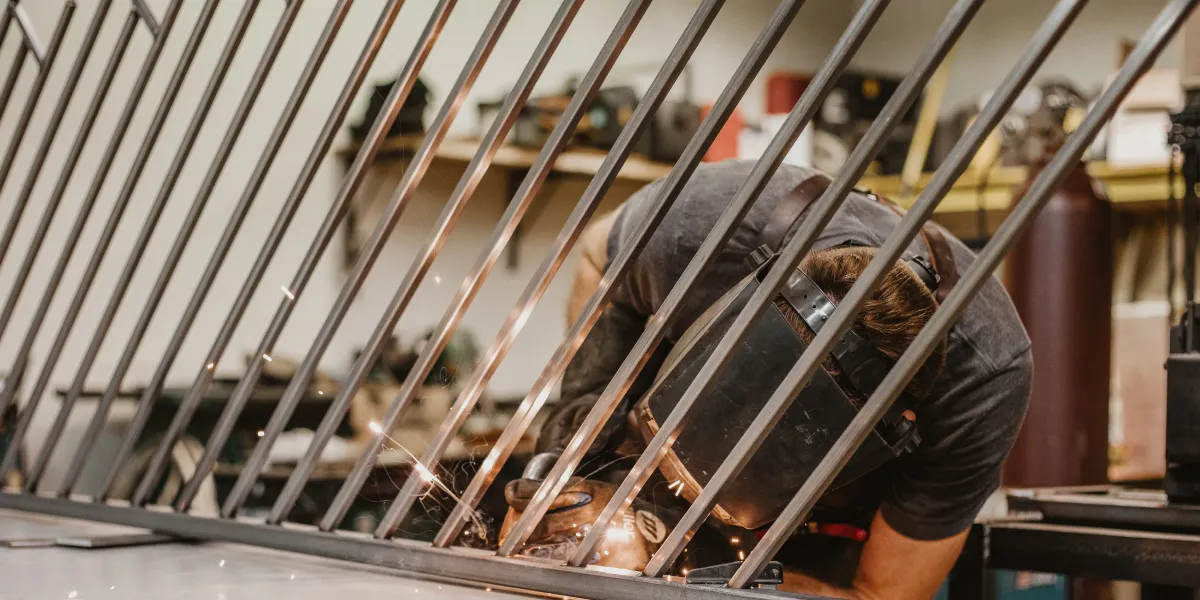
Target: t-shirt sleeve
(937,491)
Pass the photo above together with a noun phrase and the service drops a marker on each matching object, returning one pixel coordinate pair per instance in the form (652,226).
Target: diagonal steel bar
(518,205)
(799,117)
(150,395)
(354,178)
(126,192)
(670,189)
(241,394)
(60,267)
(538,284)
(1142,57)
(5,25)
(398,555)
(29,32)
(31,103)
(470,180)
(43,151)
(10,82)
(8,393)
(821,212)
(467,399)
(338,208)
(204,193)
(246,387)
(413,175)
(83,449)
(1039,47)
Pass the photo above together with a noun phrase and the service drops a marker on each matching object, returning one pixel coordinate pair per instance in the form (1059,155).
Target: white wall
(1087,55)
(1001,29)
(714,61)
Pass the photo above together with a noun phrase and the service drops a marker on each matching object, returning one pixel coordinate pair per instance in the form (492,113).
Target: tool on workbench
(1182,482)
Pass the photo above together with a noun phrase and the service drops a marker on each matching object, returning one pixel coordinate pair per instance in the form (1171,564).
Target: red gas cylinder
(1060,276)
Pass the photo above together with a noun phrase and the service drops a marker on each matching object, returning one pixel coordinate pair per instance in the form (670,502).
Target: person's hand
(632,537)
(566,420)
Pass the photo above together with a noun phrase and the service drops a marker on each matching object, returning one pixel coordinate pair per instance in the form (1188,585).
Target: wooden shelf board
(1130,187)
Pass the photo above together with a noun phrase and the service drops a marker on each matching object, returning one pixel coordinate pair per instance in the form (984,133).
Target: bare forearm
(799,583)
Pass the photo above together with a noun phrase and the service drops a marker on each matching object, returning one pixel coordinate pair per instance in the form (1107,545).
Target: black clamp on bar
(771,575)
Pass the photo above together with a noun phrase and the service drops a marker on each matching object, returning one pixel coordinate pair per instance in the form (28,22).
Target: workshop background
(1133,179)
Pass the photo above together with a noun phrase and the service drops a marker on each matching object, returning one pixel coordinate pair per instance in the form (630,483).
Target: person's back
(968,413)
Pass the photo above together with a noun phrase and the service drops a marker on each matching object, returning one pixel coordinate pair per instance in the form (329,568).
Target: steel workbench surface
(211,571)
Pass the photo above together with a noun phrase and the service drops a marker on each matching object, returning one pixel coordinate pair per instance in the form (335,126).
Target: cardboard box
(1138,406)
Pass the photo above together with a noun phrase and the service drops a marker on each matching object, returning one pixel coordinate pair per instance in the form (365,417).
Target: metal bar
(952,27)
(338,208)
(29,32)
(403,555)
(801,114)
(204,193)
(413,175)
(10,82)
(469,396)
(31,103)
(1143,55)
(83,450)
(471,178)
(149,396)
(64,177)
(1095,552)
(670,189)
(569,234)
(1039,47)
(8,393)
(5,25)
(245,387)
(588,87)
(118,540)
(147,16)
(907,92)
(39,158)
(1190,222)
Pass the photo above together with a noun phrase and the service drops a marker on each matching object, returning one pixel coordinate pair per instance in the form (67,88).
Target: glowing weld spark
(287,292)
(423,472)
(267,357)
(209,366)
(261,433)
(616,534)
(677,485)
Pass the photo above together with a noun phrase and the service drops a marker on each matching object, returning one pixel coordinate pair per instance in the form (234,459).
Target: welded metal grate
(439,557)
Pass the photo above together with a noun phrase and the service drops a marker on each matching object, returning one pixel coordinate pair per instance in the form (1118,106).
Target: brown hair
(891,317)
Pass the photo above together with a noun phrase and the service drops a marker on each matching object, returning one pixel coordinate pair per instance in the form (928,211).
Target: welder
(897,517)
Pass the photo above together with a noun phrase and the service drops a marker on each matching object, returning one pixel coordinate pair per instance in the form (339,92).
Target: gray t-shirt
(969,421)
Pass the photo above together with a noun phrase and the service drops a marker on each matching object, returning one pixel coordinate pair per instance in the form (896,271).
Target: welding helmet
(807,430)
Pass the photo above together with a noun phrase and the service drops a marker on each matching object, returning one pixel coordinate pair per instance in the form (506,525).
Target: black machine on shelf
(1182,481)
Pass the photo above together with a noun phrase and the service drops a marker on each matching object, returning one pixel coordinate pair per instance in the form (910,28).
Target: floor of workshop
(185,571)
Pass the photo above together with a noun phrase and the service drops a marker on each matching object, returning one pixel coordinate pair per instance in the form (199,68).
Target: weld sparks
(676,486)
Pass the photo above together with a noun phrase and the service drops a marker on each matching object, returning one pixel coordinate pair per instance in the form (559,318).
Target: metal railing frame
(439,559)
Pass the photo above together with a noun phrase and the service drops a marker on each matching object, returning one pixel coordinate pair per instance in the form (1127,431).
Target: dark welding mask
(808,429)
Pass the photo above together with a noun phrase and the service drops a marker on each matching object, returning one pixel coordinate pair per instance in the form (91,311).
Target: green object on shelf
(1022,585)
